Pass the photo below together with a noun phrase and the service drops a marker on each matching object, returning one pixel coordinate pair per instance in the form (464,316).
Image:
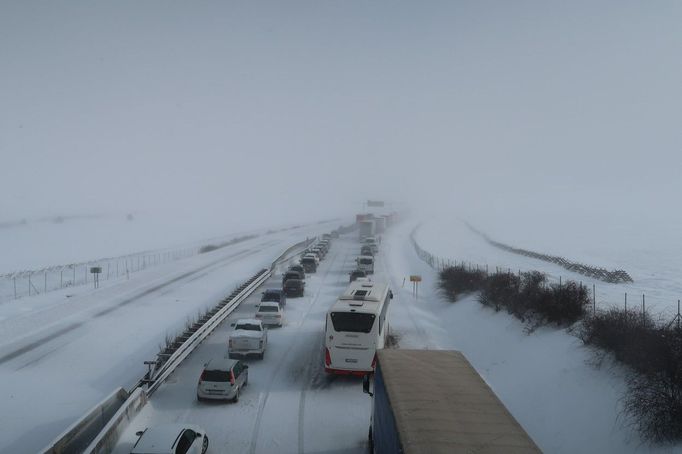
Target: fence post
(626,302)
(14,279)
(594,299)
(643,307)
(74,275)
(29,284)
(45,284)
(108,265)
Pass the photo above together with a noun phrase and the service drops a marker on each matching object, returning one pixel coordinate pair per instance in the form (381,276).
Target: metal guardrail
(204,331)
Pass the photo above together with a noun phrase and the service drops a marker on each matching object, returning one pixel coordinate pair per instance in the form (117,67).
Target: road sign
(96,269)
(415,278)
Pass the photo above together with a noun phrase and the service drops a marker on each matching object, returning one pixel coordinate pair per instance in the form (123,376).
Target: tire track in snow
(281,362)
(314,352)
(421,332)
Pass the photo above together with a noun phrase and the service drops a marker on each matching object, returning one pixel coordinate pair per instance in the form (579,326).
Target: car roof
(358,272)
(160,439)
(220,364)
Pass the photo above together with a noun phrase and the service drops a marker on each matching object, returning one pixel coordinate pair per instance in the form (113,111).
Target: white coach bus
(356,326)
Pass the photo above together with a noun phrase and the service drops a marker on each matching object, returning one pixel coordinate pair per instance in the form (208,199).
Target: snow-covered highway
(62,352)
(290,404)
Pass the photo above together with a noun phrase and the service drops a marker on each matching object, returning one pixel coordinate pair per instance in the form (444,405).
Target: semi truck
(366,228)
(434,401)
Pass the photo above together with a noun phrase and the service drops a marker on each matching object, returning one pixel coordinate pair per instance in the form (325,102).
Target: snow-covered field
(653,259)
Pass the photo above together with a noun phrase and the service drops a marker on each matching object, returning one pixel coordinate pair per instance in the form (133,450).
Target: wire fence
(25,283)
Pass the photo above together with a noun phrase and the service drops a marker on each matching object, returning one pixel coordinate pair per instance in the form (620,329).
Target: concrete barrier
(77,437)
(108,436)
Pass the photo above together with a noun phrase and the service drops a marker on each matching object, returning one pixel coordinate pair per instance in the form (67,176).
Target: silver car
(222,379)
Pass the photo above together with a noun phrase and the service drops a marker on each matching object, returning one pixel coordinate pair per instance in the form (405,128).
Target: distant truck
(249,337)
(366,228)
(434,401)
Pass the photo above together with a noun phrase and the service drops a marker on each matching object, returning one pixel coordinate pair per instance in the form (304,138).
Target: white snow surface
(653,265)
(546,379)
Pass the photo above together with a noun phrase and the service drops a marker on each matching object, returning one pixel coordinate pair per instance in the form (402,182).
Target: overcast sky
(293,108)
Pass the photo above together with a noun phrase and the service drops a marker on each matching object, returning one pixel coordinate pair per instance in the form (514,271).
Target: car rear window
(352,322)
(271,296)
(267,309)
(248,327)
(216,375)
(366,261)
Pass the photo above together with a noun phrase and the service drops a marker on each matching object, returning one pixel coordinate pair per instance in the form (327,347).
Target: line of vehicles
(357,323)
(224,378)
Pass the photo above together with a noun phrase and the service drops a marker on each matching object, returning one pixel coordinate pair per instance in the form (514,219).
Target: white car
(171,439)
(248,338)
(313,256)
(270,313)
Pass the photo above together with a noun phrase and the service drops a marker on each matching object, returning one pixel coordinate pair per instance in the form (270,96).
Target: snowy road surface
(290,404)
(63,352)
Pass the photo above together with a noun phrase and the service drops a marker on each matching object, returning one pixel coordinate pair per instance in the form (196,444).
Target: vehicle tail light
(230,343)
(374,361)
(203,375)
(260,344)
(231,378)
(327,357)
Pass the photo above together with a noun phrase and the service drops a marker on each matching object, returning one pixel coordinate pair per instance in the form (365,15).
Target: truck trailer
(434,401)
(366,228)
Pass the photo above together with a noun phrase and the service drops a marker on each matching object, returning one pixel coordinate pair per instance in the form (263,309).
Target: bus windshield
(352,322)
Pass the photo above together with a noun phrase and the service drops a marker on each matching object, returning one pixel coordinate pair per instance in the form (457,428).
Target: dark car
(292,275)
(367,250)
(275,295)
(309,264)
(294,287)
(356,274)
(298,268)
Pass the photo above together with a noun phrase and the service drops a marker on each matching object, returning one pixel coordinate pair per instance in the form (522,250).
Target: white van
(366,263)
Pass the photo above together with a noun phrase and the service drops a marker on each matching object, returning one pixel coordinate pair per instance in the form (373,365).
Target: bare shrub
(654,353)
(457,280)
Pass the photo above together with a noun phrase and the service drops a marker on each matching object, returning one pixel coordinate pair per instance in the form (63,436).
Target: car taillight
(231,378)
(202,376)
(258,316)
(327,357)
(260,344)
(374,361)
(230,343)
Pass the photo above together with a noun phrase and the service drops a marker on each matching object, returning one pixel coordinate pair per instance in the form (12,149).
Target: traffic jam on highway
(286,359)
